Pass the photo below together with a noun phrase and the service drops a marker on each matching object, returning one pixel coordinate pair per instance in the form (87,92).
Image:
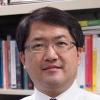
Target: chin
(53,82)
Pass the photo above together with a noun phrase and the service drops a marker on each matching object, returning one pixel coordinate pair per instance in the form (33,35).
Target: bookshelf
(10,15)
(64,5)
(15,92)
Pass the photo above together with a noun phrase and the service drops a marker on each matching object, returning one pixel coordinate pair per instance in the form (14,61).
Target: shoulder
(28,98)
(89,95)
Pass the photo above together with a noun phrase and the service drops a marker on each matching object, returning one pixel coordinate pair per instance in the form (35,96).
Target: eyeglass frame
(68,42)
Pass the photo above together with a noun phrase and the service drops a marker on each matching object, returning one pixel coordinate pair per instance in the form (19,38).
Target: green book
(86,23)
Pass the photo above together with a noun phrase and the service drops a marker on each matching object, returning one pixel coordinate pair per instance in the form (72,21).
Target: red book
(88,61)
(5,64)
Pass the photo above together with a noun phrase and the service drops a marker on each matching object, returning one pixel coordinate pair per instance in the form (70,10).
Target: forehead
(47,31)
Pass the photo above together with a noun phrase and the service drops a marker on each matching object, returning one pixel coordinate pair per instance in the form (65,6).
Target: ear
(79,51)
(22,57)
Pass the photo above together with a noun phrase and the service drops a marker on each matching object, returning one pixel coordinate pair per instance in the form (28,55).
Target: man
(49,42)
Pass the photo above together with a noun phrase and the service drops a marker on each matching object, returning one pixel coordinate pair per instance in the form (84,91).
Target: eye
(37,46)
(62,43)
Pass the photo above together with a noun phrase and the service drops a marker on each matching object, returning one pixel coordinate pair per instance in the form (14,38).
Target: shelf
(16,92)
(64,5)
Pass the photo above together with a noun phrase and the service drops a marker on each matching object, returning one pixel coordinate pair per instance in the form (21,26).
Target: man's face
(55,67)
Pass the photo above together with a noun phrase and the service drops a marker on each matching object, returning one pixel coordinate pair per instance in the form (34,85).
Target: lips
(51,67)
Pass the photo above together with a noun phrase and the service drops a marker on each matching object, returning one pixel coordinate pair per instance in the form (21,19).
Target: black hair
(51,16)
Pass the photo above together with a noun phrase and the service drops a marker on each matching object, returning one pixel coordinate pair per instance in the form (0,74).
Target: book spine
(98,65)
(13,83)
(81,71)
(18,70)
(88,62)
(95,44)
(25,79)
(86,23)
(5,64)
(94,69)
(1,66)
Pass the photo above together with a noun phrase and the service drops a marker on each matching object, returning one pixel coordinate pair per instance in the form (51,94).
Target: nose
(50,55)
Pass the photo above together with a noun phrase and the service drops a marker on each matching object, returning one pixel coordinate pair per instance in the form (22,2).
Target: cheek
(32,63)
(31,59)
(72,59)
(71,64)
(31,66)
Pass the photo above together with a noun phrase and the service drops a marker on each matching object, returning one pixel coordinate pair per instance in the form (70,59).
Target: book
(3,2)
(33,1)
(5,64)
(88,62)
(23,1)
(28,84)
(98,64)
(90,24)
(95,51)
(13,80)
(88,28)
(85,23)
(81,70)
(25,79)
(92,31)
(18,69)
(1,66)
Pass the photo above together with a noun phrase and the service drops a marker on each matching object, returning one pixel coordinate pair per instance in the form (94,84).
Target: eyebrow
(37,39)
(60,36)
(42,38)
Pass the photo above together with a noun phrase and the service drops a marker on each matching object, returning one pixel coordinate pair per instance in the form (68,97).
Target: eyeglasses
(58,46)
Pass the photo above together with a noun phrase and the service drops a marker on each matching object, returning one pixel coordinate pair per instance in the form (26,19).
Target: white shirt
(73,93)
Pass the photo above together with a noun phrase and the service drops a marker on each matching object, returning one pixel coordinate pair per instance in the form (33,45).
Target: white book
(92,31)
(98,64)
(3,2)
(35,1)
(81,71)
(91,27)
(13,82)
(25,0)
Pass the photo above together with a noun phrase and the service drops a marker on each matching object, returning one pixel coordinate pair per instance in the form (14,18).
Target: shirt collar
(70,94)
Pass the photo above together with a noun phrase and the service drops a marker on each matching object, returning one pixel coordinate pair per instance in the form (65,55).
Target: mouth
(51,67)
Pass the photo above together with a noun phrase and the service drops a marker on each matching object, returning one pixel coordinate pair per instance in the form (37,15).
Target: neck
(54,91)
